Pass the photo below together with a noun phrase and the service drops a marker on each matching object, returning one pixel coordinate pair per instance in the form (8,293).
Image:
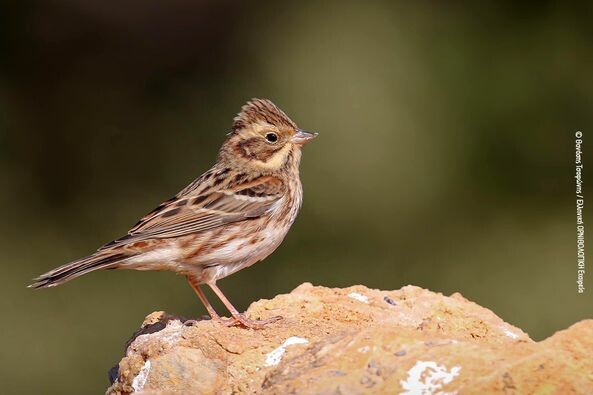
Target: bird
(231,217)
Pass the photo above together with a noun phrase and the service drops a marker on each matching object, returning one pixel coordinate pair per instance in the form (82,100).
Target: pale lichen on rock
(354,341)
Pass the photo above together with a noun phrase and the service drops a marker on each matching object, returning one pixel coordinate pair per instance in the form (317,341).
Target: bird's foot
(240,319)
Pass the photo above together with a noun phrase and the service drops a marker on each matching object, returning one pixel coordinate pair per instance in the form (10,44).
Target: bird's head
(264,138)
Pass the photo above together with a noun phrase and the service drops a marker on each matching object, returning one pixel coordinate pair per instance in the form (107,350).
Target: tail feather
(77,268)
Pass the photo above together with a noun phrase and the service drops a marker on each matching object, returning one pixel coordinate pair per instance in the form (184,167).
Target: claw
(240,319)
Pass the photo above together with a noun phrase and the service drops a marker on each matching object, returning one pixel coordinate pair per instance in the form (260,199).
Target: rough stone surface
(356,341)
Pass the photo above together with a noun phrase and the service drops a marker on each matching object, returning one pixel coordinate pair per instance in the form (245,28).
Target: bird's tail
(69,271)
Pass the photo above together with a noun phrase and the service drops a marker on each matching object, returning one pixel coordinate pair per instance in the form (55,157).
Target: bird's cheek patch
(274,161)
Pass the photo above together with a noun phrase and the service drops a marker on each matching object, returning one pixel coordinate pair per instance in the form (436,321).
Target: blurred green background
(445,157)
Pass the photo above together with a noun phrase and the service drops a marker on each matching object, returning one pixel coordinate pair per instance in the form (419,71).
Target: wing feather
(191,214)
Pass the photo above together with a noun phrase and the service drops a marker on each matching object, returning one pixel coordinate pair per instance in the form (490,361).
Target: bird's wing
(184,215)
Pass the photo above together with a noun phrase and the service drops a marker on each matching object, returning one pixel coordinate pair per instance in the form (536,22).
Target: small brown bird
(234,215)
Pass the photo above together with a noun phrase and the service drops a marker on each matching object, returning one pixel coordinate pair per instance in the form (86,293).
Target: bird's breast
(220,252)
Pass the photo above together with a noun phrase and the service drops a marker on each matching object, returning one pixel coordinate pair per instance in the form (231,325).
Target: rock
(353,341)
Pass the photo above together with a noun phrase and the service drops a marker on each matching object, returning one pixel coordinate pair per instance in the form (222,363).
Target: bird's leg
(239,318)
(196,287)
(213,314)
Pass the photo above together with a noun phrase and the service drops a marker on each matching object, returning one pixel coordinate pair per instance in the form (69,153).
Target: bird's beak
(301,137)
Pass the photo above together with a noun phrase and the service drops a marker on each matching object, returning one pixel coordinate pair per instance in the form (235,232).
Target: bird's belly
(239,253)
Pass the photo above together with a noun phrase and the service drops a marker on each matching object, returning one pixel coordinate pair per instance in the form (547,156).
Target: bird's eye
(271,137)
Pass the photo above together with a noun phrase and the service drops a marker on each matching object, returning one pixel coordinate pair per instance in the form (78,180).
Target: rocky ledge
(355,341)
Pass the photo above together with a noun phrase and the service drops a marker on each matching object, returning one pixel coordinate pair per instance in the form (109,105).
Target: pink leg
(239,318)
(196,286)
